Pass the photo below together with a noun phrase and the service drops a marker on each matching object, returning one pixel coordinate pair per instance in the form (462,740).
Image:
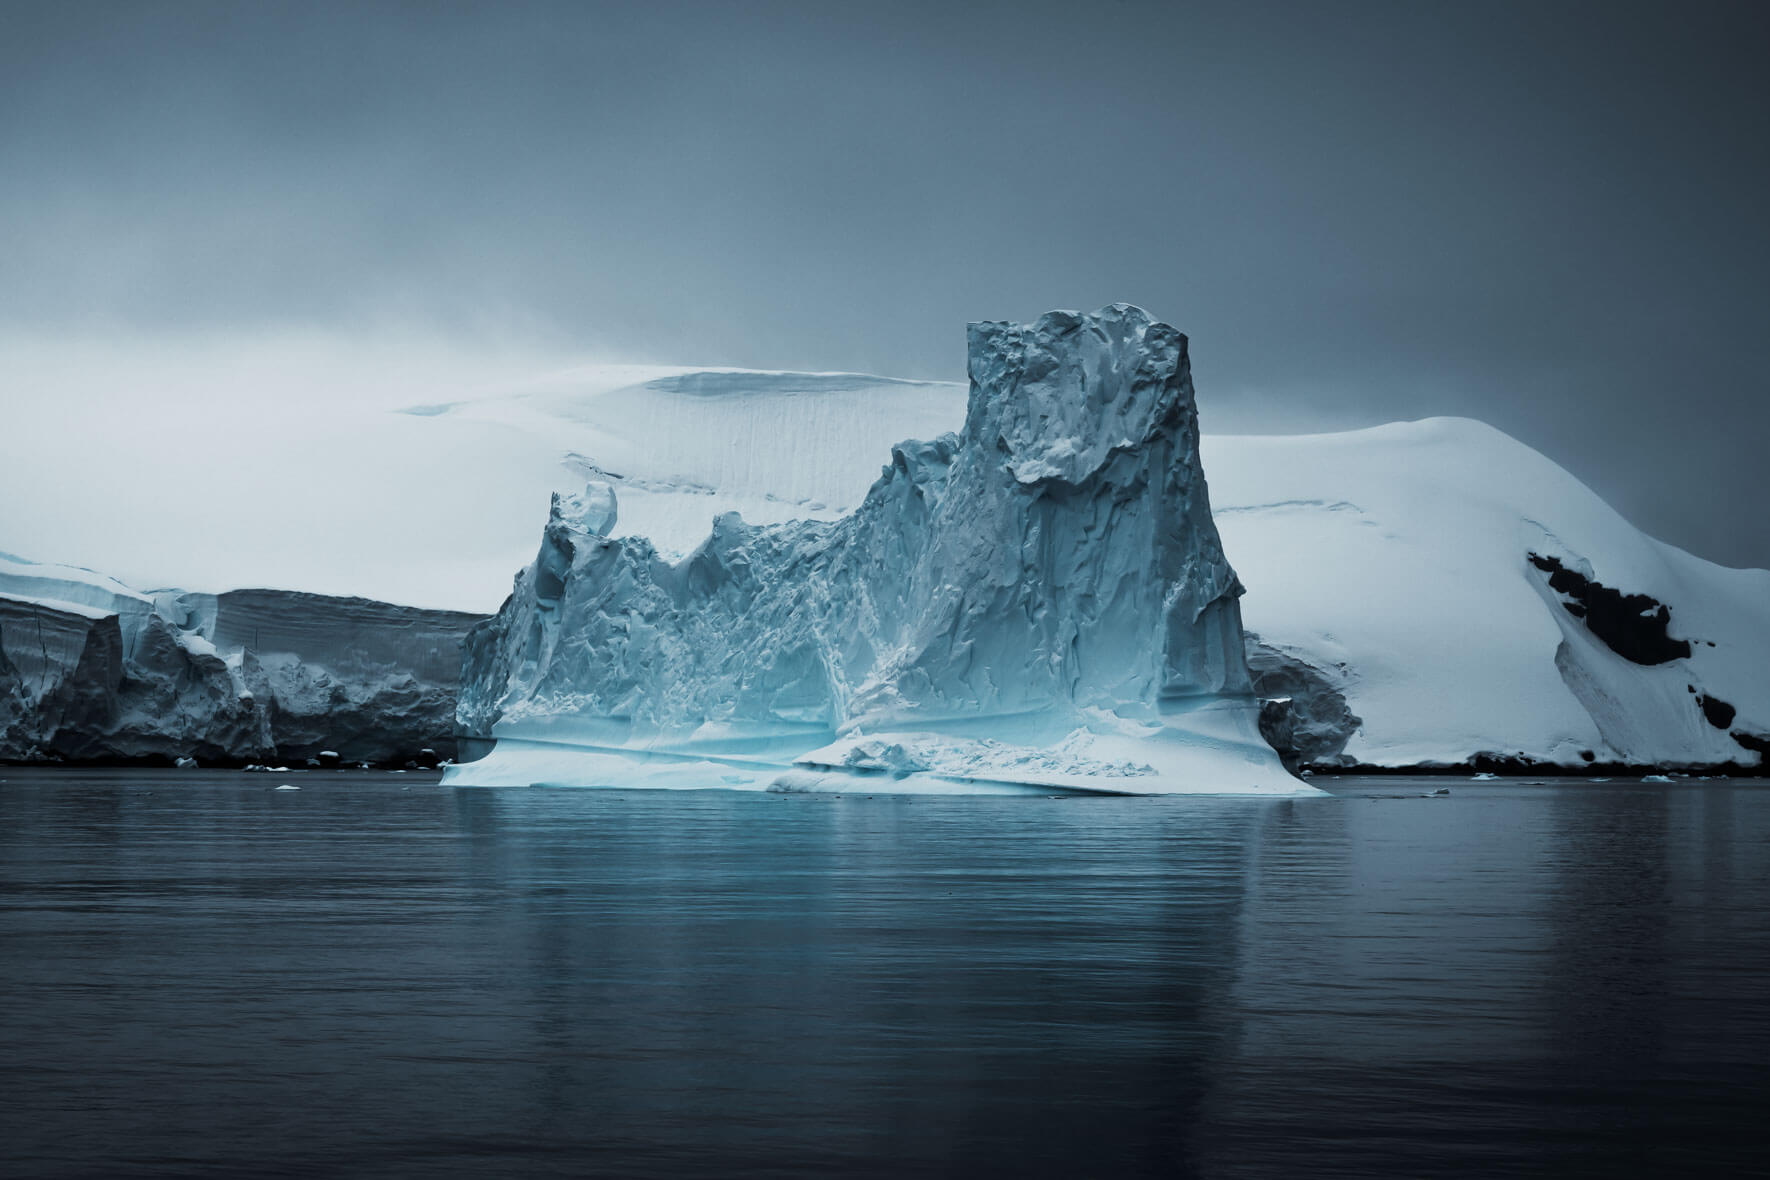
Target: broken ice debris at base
(1039,601)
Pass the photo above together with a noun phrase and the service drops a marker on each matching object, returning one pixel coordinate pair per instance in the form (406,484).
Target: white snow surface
(270,492)
(70,588)
(1399,554)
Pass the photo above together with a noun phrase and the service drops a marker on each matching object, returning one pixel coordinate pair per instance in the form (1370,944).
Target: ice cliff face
(1050,576)
(91,670)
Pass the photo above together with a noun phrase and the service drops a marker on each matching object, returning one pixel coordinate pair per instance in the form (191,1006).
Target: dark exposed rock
(1634,626)
(1717,712)
(1756,742)
(1303,715)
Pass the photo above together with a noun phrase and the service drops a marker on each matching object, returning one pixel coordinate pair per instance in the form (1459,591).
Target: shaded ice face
(1059,395)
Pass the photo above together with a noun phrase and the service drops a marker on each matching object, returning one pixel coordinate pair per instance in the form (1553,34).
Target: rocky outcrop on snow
(1303,712)
(91,670)
(1049,576)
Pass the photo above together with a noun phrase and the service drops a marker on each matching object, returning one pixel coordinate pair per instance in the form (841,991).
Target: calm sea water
(376,976)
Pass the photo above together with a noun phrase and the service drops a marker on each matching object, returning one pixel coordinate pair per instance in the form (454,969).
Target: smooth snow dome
(434,506)
(1396,559)
(683,446)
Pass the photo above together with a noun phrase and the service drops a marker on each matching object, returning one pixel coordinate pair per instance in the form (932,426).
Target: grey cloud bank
(1544,216)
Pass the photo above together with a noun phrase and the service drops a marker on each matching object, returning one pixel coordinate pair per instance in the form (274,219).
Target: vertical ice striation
(1040,599)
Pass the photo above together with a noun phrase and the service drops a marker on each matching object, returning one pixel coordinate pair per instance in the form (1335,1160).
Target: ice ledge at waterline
(1037,602)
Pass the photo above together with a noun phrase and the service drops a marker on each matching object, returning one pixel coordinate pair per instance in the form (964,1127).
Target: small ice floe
(1655,778)
(1485,776)
(1438,792)
(185,763)
(288,787)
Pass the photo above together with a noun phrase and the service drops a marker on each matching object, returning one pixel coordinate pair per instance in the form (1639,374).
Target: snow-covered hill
(1391,566)
(683,446)
(1398,562)
(435,506)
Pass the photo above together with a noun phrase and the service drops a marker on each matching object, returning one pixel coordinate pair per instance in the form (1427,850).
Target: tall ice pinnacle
(1041,599)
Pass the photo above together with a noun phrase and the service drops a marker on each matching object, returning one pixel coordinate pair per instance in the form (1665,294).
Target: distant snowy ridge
(772,446)
(1037,602)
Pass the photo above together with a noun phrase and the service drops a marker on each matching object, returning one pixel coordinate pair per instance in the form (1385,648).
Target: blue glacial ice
(1037,603)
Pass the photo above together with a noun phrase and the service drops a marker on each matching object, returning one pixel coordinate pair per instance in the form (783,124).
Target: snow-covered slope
(436,506)
(1039,601)
(684,446)
(1397,561)
(93,670)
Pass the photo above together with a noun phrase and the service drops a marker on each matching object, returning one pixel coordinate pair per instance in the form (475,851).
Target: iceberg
(1037,602)
(94,671)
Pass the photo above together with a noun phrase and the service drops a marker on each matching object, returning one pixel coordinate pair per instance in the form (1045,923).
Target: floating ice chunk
(1053,570)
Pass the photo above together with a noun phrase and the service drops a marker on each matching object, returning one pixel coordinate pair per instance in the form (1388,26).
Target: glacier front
(92,670)
(1039,602)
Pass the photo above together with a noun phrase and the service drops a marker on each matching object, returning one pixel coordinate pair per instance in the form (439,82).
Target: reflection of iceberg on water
(1039,602)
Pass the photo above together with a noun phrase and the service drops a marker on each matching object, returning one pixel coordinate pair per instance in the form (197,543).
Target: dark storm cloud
(1548,216)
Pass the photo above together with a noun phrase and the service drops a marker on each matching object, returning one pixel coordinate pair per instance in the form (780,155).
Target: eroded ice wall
(1056,560)
(91,670)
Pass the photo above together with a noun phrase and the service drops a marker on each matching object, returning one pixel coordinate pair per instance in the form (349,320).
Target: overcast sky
(1548,216)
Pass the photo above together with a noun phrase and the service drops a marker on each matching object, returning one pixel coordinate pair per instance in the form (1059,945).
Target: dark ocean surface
(378,976)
